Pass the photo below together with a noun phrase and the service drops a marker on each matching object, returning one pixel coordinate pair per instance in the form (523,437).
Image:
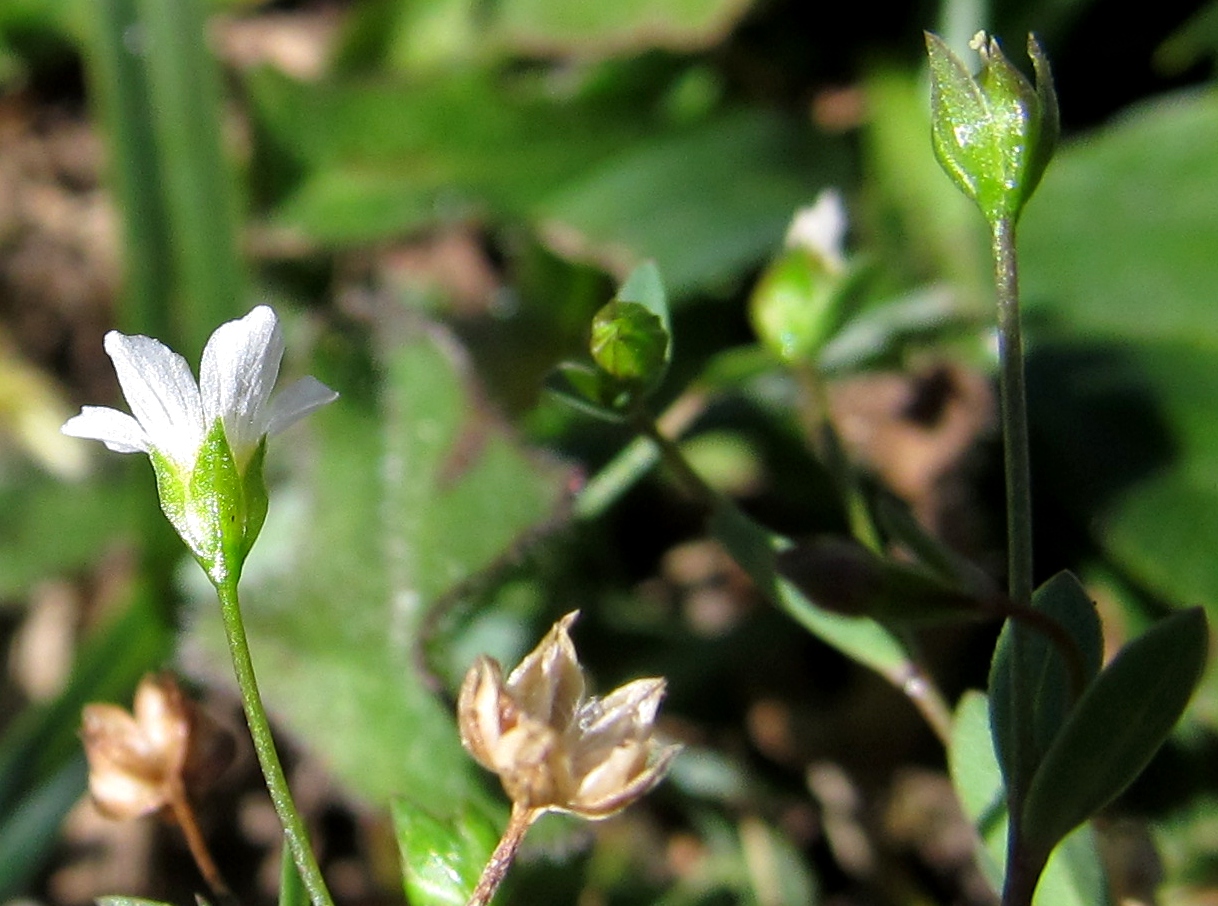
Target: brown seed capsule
(139,762)
(554,749)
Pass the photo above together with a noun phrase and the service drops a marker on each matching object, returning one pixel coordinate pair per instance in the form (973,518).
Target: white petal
(237,375)
(117,430)
(295,401)
(161,392)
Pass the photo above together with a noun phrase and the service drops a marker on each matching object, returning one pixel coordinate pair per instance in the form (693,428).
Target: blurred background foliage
(437,195)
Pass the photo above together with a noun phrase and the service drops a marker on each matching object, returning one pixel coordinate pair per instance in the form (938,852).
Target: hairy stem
(264,744)
(521,820)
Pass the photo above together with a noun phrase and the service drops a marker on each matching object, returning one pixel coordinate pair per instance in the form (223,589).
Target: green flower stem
(1022,873)
(674,460)
(823,433)
(264,744)
(1014,414)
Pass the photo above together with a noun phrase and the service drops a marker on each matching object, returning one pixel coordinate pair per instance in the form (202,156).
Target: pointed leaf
(442,859)
(1116,727)
(1074,875)
(843,576)
(861,639)
(1041,695)
(646,287)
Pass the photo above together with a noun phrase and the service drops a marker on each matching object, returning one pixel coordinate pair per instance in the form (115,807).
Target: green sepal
(630,343)
(797,305)
(588,390)
(216,511)
(993,134)
(254,498)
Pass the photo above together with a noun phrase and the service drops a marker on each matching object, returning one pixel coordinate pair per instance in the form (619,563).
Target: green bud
(993,133)
(217,511)
(796,305)
(629,343)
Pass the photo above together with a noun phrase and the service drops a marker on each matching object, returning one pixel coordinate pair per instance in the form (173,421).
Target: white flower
(820,229)
(172,414)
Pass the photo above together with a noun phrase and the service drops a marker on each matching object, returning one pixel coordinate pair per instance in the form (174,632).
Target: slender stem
(919,687)
(675,461)
(1022,875)
(818,420)
(179,804)
(1014,415)
(1022,872)
(264,744)
(520,821)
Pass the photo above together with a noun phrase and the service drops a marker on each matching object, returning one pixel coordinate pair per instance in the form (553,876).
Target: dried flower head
(140,763)
(553,748)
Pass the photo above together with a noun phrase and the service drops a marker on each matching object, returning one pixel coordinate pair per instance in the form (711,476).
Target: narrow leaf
(1041,695)
(859,638)
(1116,727)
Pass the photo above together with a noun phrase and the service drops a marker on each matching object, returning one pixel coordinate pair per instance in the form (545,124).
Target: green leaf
(645,287)
(1116,727)
(372,532)
(83,520)
(1041,695)
(1149,405)
(442,858)
(1098,261)
(704,202)
(1074,875)
(630,26)
(199,186)
(292,890)
(859,638)
(842,576)
(31,828)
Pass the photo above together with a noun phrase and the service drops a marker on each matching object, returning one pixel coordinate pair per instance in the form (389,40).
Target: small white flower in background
(820,229)
(206,438)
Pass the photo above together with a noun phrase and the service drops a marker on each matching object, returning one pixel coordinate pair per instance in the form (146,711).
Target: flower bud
(993,133)
(798,302)
(553,748)
(629,343)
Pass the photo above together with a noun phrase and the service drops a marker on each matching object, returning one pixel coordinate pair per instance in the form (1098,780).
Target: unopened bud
(993,133)
(798,302)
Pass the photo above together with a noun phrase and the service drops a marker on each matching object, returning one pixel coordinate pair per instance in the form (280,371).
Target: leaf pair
(1070,738)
